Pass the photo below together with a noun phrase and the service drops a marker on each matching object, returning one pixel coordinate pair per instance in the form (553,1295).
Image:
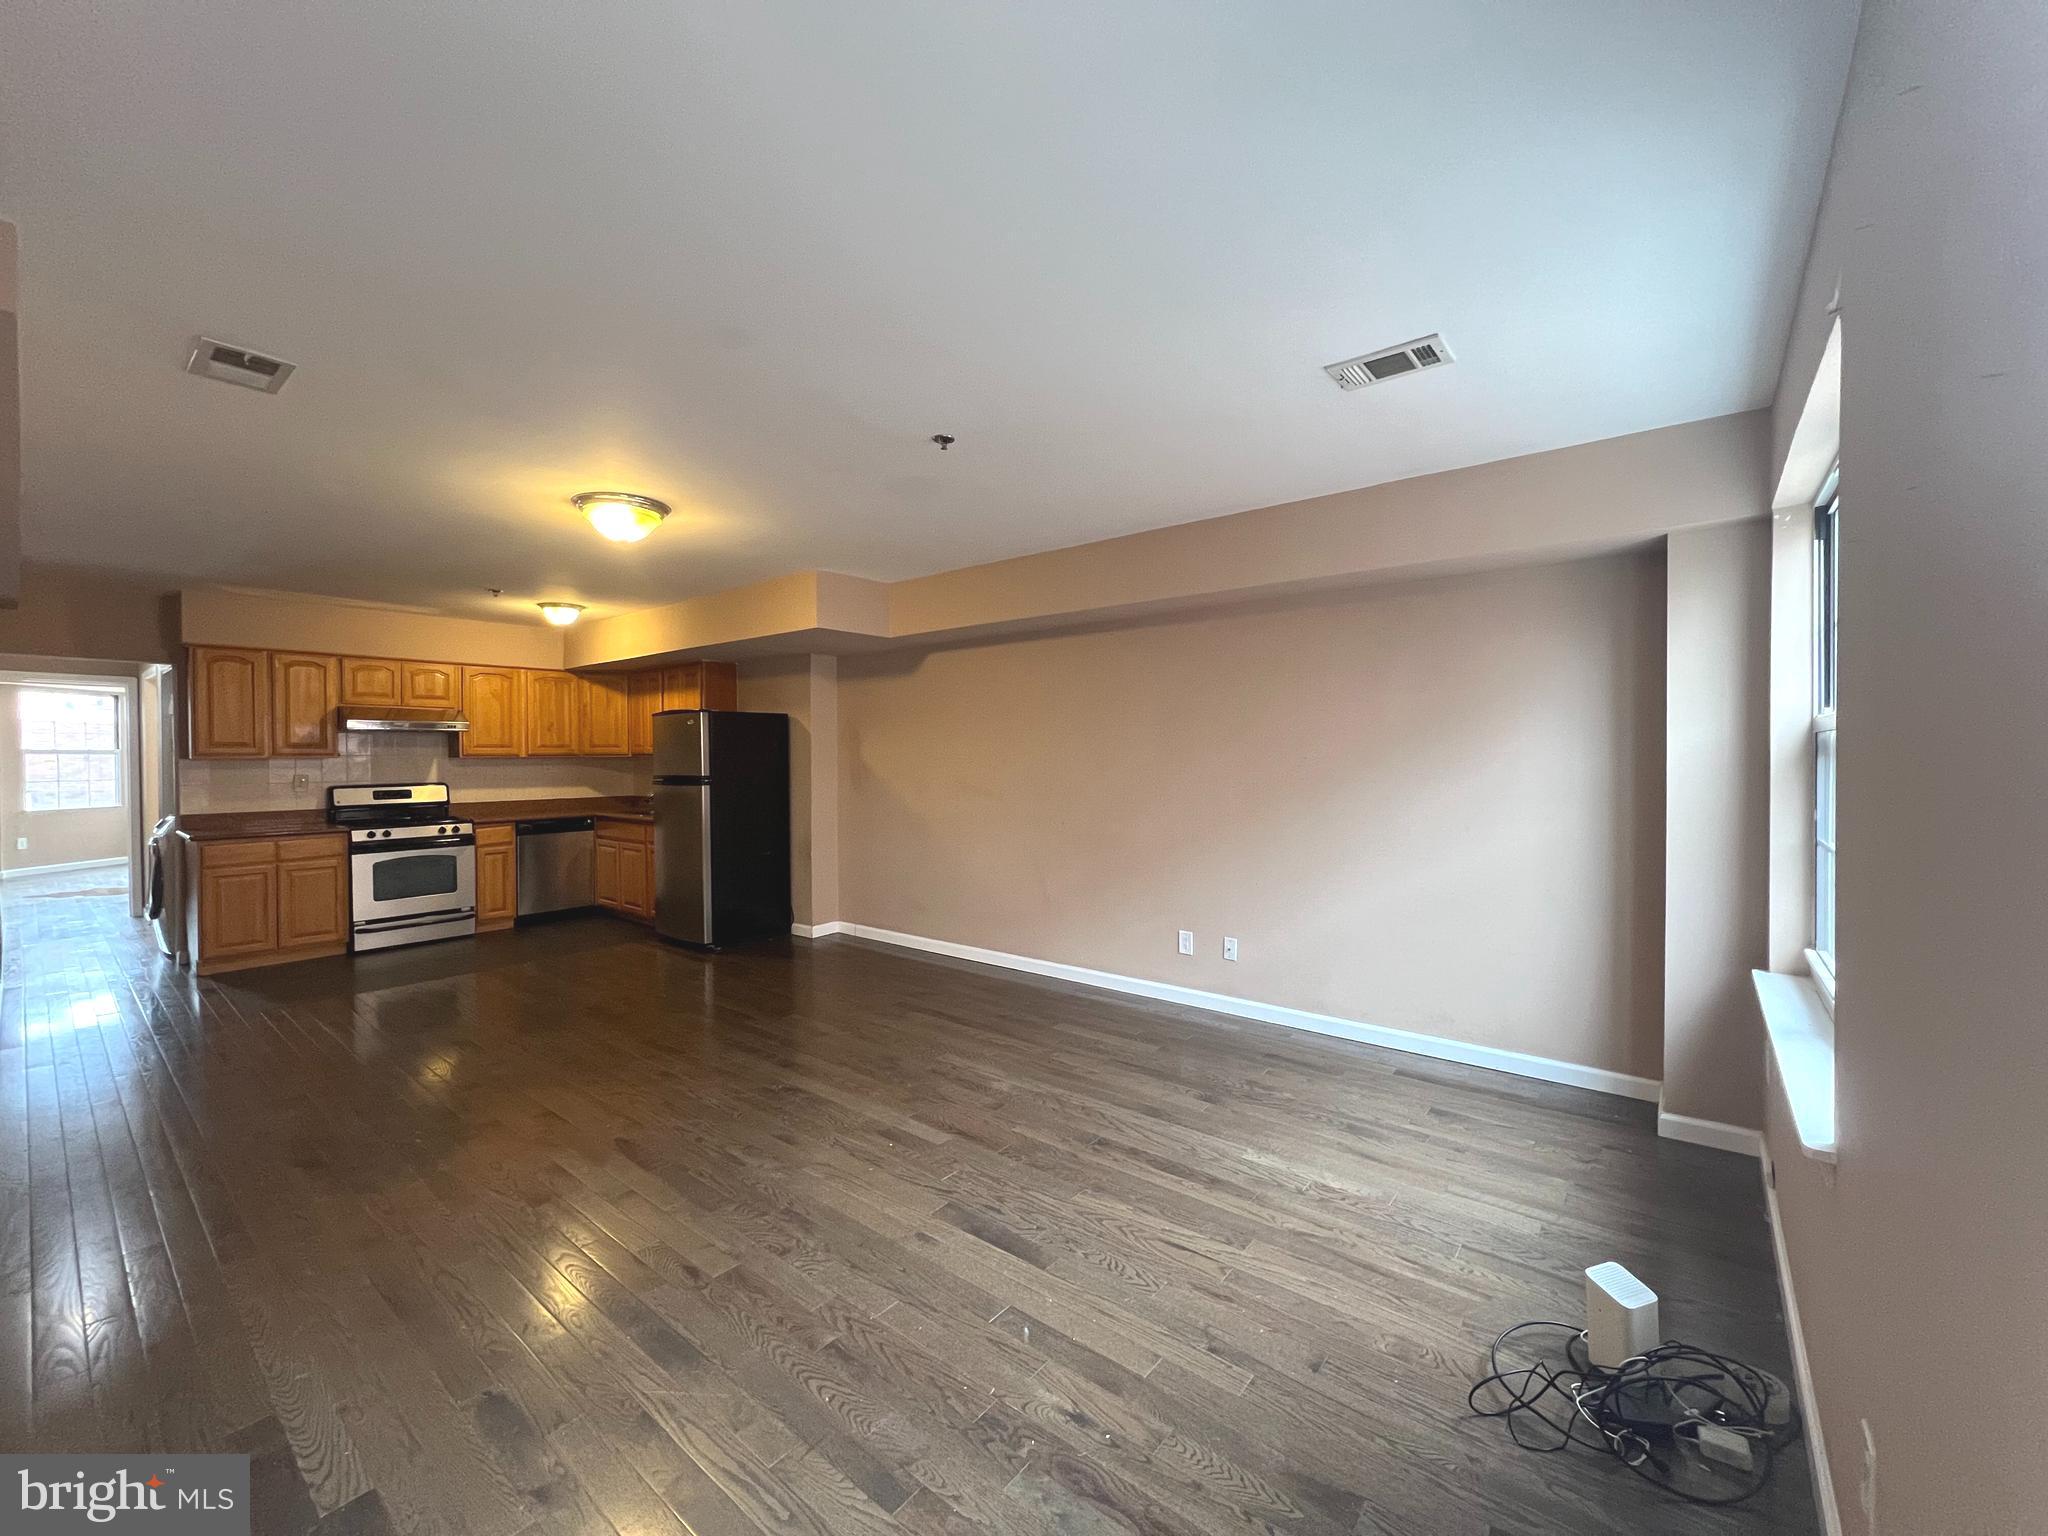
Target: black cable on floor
(1648,1413)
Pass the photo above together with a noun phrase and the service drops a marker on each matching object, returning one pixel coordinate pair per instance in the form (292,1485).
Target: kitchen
(335,802)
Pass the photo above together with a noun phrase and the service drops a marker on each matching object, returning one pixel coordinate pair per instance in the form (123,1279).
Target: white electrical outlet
(1868,1487)
(20,843)
(1187,941)
(1229,949)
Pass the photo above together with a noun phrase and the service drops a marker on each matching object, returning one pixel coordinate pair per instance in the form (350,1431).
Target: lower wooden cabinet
(497,876)
(261,901)
(312,893)
(625,868)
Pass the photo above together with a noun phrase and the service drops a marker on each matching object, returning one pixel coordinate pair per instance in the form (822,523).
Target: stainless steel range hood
(441,722)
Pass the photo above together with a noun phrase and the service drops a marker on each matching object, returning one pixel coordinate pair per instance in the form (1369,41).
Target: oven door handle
(412,919)
(465,841)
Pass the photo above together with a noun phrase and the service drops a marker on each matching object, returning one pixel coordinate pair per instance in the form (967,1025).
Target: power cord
(1702,1426)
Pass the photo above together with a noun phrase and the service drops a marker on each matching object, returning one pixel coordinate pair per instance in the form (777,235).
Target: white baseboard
(816,930)
(1802,1371)
(55,869)
(1542,1068)
(1709,1133)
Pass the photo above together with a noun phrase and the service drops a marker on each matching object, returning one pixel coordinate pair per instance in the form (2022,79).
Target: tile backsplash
(274,784)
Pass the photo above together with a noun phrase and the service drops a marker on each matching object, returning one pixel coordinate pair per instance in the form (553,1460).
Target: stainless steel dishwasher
(557,865)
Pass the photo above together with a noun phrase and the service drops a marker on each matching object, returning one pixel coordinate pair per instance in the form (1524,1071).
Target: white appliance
(411,864)
(1621,1316)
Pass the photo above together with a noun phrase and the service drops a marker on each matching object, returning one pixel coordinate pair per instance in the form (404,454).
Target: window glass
(70,749)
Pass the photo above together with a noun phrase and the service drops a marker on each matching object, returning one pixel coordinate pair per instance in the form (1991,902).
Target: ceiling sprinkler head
(945,440)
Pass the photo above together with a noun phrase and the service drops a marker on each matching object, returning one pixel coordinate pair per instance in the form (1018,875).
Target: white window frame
(1827,564)
(24,752)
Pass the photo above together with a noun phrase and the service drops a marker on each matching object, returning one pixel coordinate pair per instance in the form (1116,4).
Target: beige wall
(1436,806)
(67,612)
(10,417)
(1716,818)
(217,616)
(1920,1268)
(806,689)
(57,837)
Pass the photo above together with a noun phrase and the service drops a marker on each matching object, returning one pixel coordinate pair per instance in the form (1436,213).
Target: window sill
(1802,1034)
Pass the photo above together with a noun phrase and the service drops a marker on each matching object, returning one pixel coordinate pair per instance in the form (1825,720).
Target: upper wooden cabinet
(643,699)
(699,685)
(494,699)
(227,698)
(553,714)
(604,727)
(429,685)
(370,682)
(252,703)
(304,690)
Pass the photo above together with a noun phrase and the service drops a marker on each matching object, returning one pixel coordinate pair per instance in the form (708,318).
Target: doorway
(72,790)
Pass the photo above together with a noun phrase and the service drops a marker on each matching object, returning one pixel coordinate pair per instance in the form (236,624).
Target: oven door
(421,880)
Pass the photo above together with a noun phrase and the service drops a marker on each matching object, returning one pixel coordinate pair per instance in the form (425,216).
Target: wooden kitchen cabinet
(494,700)
(370,682)
(227,699)
(625,868)
(643,700)
(603,725)
(312,892)
(263,901)
(700,685)
(304,690)
(497,876)
(429,685)
(553,713)
(237,908)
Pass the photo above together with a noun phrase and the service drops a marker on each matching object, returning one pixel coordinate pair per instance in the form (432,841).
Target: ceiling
(749,258)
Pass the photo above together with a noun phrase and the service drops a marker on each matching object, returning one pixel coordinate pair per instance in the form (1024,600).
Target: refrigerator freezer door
(682,744)
(682,859)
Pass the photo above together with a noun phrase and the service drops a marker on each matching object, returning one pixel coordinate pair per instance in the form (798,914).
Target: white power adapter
(1621,1316)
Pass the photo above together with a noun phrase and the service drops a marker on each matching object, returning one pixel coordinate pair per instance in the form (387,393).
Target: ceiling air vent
(212,359)
(1390,362)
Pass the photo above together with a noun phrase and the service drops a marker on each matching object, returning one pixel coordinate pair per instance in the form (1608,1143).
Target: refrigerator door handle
(682,862)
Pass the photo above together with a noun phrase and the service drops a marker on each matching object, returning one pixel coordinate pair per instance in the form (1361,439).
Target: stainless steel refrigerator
(721,826)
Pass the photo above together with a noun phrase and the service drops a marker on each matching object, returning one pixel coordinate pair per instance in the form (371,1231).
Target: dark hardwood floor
(563,1231)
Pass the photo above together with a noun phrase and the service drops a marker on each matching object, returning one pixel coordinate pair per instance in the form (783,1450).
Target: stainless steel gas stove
(412,863)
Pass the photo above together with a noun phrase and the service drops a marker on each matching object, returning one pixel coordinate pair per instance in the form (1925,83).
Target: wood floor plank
(562,1232)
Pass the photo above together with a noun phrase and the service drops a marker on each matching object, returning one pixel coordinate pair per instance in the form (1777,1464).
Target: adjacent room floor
(565,1231)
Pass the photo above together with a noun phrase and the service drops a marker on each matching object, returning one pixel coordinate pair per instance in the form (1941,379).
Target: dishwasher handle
(556,824)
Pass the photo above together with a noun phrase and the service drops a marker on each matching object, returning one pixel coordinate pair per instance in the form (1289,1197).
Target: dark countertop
(215,826)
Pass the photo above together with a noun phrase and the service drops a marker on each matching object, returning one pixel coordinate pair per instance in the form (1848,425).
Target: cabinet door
(304,690)
(494,699)
(312,898)
(497,876)
(228,700)
(602,727)
(643,701)
(429,684)
(237,900)
(369,682)
(633,879)
(608,874)
(551,714)
(720,685)
(700,685)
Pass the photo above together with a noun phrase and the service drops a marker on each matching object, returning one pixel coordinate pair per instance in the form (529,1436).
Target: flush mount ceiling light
(620,515)
(560,614)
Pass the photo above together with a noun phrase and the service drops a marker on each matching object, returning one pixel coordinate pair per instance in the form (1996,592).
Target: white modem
(1621,1316)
